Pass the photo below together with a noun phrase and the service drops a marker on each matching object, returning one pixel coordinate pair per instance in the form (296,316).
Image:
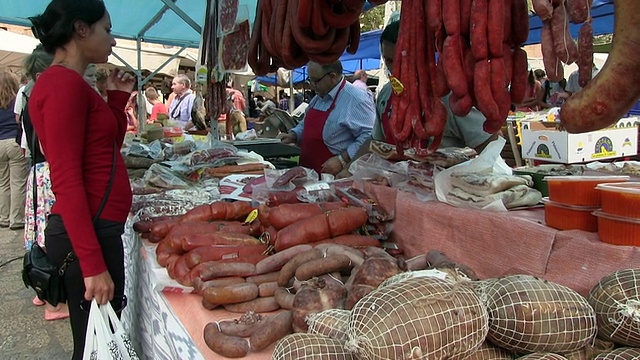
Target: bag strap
(109,185)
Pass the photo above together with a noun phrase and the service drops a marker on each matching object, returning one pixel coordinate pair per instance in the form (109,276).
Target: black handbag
(37,270)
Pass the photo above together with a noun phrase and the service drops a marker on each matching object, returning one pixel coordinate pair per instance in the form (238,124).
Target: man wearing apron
(337,122)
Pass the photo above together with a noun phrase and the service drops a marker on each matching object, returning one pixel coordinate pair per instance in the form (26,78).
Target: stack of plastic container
(573,200)
(619,217)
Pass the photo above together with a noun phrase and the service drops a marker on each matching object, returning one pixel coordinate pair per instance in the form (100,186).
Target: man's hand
(332,166)
(120,80)
(289,138)
(344,173)
(100,287)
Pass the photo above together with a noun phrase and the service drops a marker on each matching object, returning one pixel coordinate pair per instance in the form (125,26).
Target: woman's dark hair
(55,27)
(531,79)
(390,33)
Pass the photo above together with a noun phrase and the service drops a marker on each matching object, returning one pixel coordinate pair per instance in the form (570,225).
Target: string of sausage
(478,47)
(215,95)
(558,46)
(289,33)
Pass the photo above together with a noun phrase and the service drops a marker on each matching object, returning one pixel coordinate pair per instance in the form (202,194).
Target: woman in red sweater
(78,132)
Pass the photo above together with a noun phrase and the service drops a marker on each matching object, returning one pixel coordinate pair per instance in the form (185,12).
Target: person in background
(573,85)
(236,122)
(360,81)
(101,81)
(557,94)
(80,135)
(337,122)
(532,95)
(131,111)
(36,218)
(91,76)
(541,76)
(459,131)
(159,110)
(181,105)
(13,165)
(267,105)
(283,104)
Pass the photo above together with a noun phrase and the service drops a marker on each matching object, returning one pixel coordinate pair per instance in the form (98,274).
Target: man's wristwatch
(342,161)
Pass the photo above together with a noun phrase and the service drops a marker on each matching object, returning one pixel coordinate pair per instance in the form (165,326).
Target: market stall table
(170,326)
(268,148)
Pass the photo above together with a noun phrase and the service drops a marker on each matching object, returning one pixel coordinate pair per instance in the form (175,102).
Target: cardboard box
(542,141)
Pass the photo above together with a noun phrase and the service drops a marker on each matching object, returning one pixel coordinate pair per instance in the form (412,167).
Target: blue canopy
(601,12)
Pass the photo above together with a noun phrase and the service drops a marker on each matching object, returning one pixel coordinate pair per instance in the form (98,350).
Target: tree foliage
(372,19)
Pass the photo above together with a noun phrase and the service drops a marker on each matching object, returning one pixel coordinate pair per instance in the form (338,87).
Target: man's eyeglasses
(316,81)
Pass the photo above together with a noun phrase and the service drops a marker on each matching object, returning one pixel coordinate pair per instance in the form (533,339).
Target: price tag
(317,186)
(253,215)
(201,138)
(177,139)
(396,85)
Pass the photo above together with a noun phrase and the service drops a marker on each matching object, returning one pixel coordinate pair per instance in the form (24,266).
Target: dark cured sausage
(225,345)
(585,54)
(578,10)
(552,65)
(563,43)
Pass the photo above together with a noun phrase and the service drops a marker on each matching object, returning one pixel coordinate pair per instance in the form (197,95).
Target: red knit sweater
(78,130)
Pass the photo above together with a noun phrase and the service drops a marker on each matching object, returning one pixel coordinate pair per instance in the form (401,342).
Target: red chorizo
(465,17)
(453,69)
(433,9)
(486,104)
(460,106)
(345,220)
(495,27)
(450,16)
(519,22)
(478,30)
(191,241)
(519,75)
(286,214)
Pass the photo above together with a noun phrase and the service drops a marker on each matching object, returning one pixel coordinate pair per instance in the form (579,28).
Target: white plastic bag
(103,343)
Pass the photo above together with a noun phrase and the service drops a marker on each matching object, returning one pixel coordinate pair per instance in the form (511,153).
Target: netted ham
(303,346)
(542,356)
(421,318)
(332,323)
(527,314)
(616,301)
(620,354)
(590,351)
(487,351)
